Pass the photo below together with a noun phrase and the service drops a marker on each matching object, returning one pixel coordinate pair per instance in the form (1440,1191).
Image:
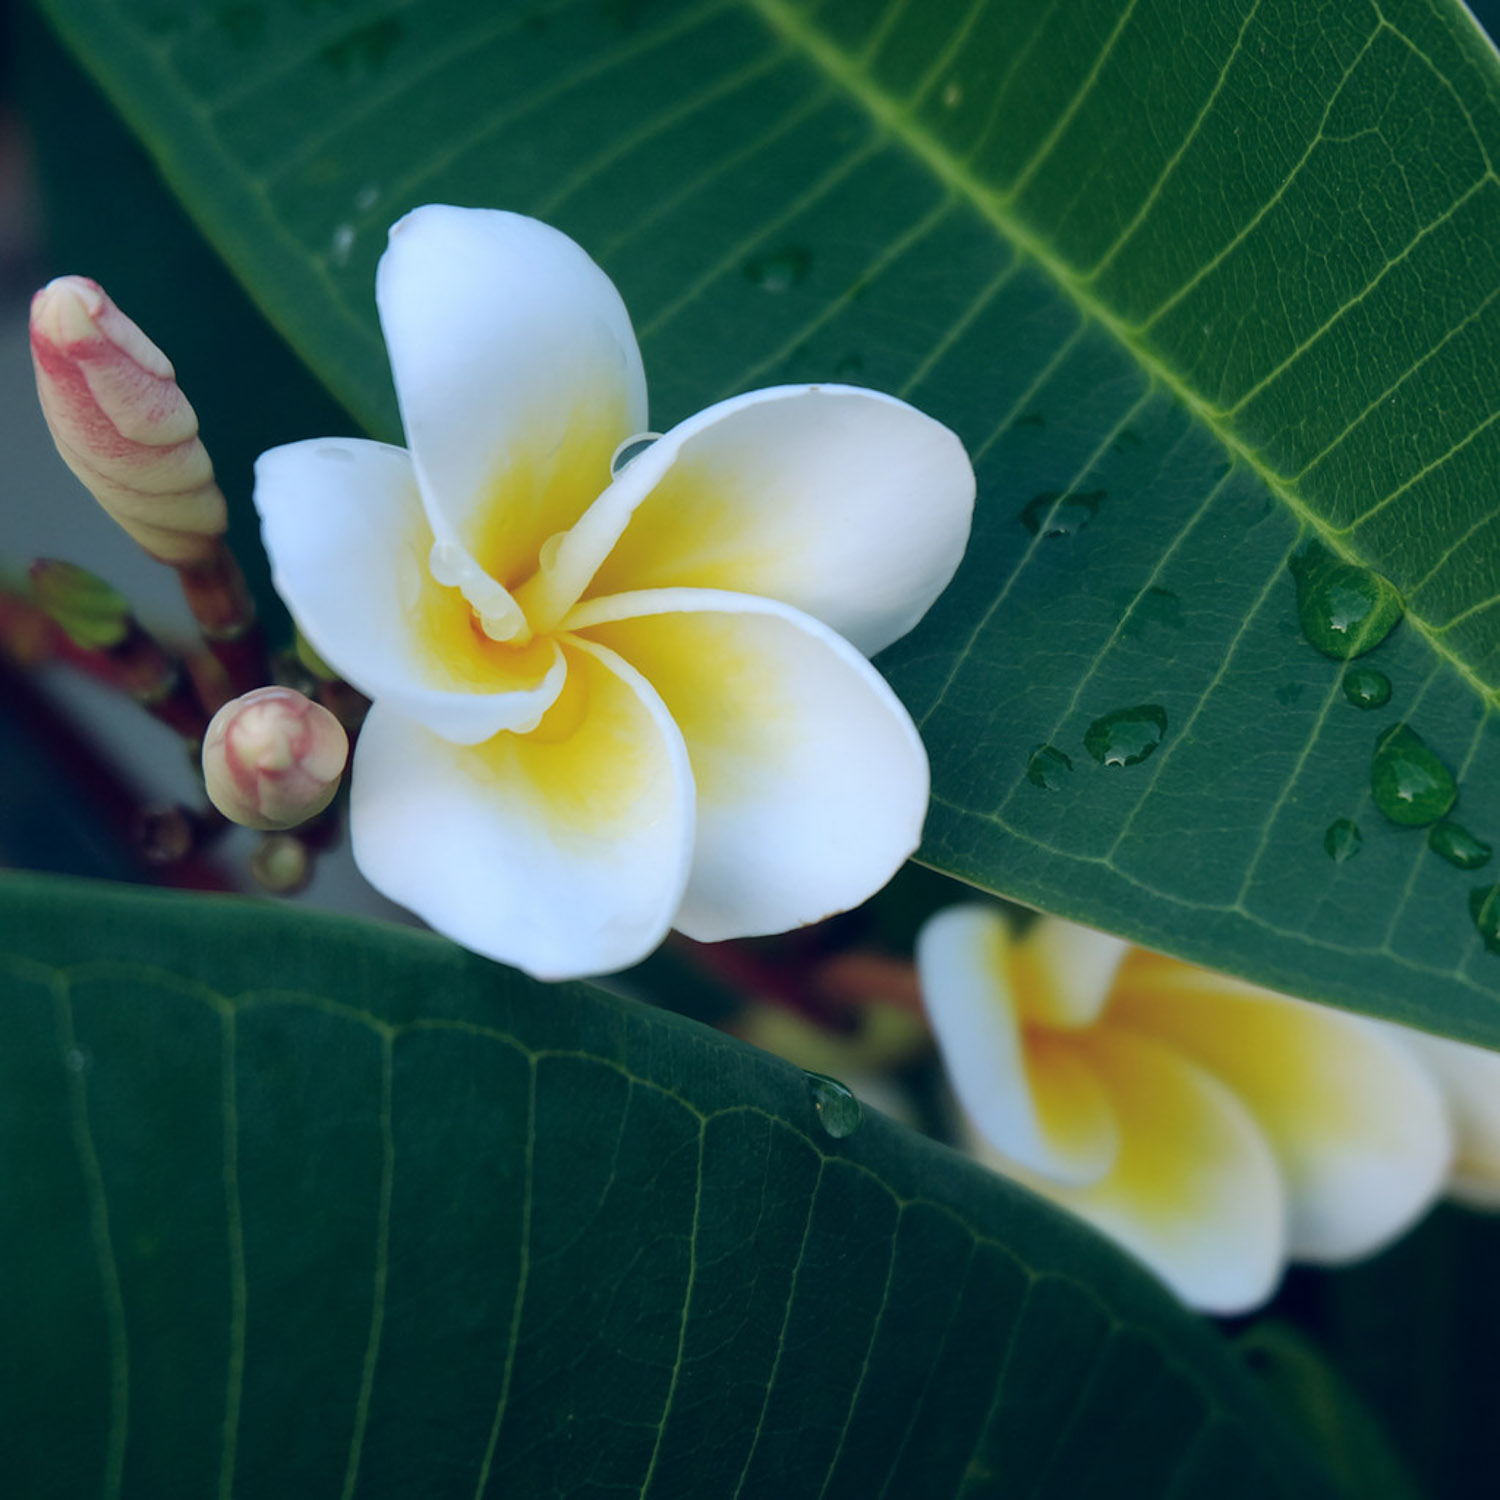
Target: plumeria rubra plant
(915,920)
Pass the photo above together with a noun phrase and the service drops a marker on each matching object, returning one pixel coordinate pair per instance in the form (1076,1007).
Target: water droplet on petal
(630,450)
(1127,736)
(1048,767)
(1054,514)
(1343,840)
(1484,908)
(1458,846)
(1409,783)
(1364,687)
(1345,610)
(838,1111)
(779,270)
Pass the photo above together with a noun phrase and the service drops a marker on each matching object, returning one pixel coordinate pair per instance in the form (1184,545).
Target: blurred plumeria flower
(609,703)
(1214,1129)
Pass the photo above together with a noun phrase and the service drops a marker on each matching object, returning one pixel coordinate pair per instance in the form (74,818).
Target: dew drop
(1055,514)
(1484,907)
(1343,840)
(341,244)
(779,270)
(1127,736)
(1155,606)
(1458,846)
(630,450)
(1409,783)
(1345,610)
(1364,687)
(1048,767)
(838,1111)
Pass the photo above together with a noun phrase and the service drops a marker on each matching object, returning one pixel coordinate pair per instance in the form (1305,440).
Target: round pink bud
(120,422)
(273,758)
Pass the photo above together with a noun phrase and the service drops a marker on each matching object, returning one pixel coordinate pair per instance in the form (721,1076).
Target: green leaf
(297,1206)
(1197,283)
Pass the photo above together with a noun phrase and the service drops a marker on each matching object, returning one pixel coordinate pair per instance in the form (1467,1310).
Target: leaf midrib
(896,121)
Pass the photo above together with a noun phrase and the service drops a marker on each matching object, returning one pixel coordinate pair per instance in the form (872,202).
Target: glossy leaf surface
(1196,283)
(304,1207)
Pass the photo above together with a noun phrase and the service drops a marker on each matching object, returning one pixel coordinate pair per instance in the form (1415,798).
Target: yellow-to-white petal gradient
(348,542)
(1034,1099)
(1063,972)
(811,778)
(563,852)
(1194,1192)
(1469,1078)
(1356,1123)
(517,373)
(850,506)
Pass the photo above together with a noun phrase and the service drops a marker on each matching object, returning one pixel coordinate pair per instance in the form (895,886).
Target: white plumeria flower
(1214,1129)
(1470,1080)
(609,705)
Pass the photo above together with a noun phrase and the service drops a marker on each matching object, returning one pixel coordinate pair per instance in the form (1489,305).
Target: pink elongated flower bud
(120,422)
(273,759)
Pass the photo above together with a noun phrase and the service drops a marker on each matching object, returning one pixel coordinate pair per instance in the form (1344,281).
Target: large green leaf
(1227,274)
(303,1207)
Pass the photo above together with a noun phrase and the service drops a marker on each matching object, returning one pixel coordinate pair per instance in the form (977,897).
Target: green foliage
(1196,283)
(297,1206)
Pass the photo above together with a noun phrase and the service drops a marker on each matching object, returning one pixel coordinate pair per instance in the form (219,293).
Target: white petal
(517,373)
(1469,1078)
(348,544)
(1357,1125)
(812,780)
(563,852)
(1195,1192)
(846,504)
(1064,972)
(1036,1102)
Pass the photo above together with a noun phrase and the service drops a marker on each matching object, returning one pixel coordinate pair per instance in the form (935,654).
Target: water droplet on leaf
(1343,840)
(837,1109)
(1054,514)
(1156,606)
(1048,767)
(1458,846)
(1409,783)
(1364,687)
(778,270)
(1345,610)
(1484,907)
(1127,736)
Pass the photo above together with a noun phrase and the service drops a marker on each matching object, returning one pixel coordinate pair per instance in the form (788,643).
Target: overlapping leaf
(301,1207)
(1193,281)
